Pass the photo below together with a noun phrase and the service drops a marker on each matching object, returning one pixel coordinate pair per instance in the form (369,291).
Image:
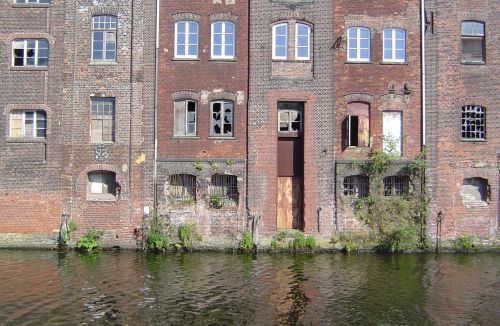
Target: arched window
(182,188)
(104,38)
(358,44)
(302,42)
(223,190)
(394,45)
(223,38)
(186,39)
(103,183)
(222,119)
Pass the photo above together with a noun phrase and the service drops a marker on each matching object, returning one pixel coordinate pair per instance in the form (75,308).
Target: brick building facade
(77,101)
(463,133)
(202,115)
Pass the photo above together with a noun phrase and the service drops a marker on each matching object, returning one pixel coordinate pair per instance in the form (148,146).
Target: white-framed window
(28,124)
(222,118)
(102,127)
(223,40)
(185,118)
(186,39)
(30,53)
(358,44)
(104,38)
(302,42)
(289,120)
(394,45)
(32,1)
(473,42)
(102,183)
(280,41)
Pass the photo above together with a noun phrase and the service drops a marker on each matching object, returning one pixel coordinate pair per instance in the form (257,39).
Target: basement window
(223,191)
(355,186)
(102,185)
(475,192)
(396,185)
(182,188)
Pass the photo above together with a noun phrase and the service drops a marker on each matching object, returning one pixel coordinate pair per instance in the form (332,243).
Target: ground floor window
(182,188)
(355,186)
(396,185)
(103,183)
(223,190)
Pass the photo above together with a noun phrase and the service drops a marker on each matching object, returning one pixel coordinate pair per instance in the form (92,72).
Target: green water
(130,288)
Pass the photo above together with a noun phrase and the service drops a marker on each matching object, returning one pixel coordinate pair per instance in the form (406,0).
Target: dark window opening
(223,190)
(182,188)
(396,185)
(355,186)
(473,122)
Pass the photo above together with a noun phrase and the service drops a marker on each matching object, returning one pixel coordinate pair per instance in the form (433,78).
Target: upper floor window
(222,118)
(473,122)
(186,39)
(30,53)
(394,45)
(473,42)
(290,120)
(185,118)
(223,40)
(302,42)
(103,120)
(280,41)
(104,38)
(32,1)
(28,124)
(358,44)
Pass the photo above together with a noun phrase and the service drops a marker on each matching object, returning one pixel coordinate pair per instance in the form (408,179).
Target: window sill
(101,197)
(102,143)
(473,63)
(291,78)
(103,63)
(292,61)
(184,137)
(475,204)
(31,5)
(221,138)
(357,62)
(473,140)
(222,60)
(393,63)
(186,59)
(26,140)
(28,68)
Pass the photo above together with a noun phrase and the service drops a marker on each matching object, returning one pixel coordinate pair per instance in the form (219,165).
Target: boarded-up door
(290,183)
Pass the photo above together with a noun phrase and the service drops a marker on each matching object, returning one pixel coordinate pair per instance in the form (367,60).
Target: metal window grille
(226,188)
(356,186)
(473,122)
(182,188)
(396,185)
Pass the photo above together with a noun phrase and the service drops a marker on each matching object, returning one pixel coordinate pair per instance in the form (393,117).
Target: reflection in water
(129,288)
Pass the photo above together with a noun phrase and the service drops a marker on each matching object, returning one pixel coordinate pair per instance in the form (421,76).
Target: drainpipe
(422,63)
(155,128)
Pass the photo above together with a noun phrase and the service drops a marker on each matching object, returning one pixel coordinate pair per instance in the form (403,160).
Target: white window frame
(393,48)
(222,115)
(185,124)
(274,55)
(23,123)
(25,50)
(289,122)
(358,57)
(113,26)
(297,57)
(224,43)
(186,54)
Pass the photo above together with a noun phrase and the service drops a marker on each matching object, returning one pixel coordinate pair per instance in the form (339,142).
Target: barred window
(223,190)
(396,185)
(356,186)
(182,188)
(473,122)
(104,38)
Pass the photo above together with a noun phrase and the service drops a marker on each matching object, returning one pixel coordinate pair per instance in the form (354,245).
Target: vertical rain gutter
(422,63)
(155,128)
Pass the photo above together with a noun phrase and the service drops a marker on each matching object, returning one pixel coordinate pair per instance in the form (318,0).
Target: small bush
(66,232)
(464,243)
(302,242)
(156,234)
(351,241)
(246,242)
(215,201)
(402,239)
(274,244)
(188,234)
(90,240)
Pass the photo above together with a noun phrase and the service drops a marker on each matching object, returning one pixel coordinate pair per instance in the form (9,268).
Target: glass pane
(303,52)
(364,54)
(181,27)
(193,50)
(229,28)
(281,40)
(352,43)
(217,27)
(181,49)
(43,62)
(364,43)
(400,44)
(387,44)
(281,30)
(352,33)
(193,28)
(352,54)
(217,50)
(193,39)
(229,39)
(280,52)
(302,41)
(365,33)
(229,50)
(387,54)
(217,38)
(400,54)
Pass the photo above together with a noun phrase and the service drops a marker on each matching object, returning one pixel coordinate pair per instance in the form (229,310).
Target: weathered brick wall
(452,85)
(314,87)
(203,79)
(378,83)
(30,183)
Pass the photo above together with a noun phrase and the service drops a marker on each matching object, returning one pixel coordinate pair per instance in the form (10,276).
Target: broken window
(290,120)
(355,129)
(104,38)
(474,191)
(223,190)
(473,122)
(30,53)
(29,124)
(223,40)
(394,45)
(392,132)
(185,118)
(355,186)
(396,185)
(102,183)
(473,42)
(186,39)
(358,44)
(103,120)
(222,118)
(182,188)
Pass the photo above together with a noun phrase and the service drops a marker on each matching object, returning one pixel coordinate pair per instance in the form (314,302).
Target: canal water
(131,288)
